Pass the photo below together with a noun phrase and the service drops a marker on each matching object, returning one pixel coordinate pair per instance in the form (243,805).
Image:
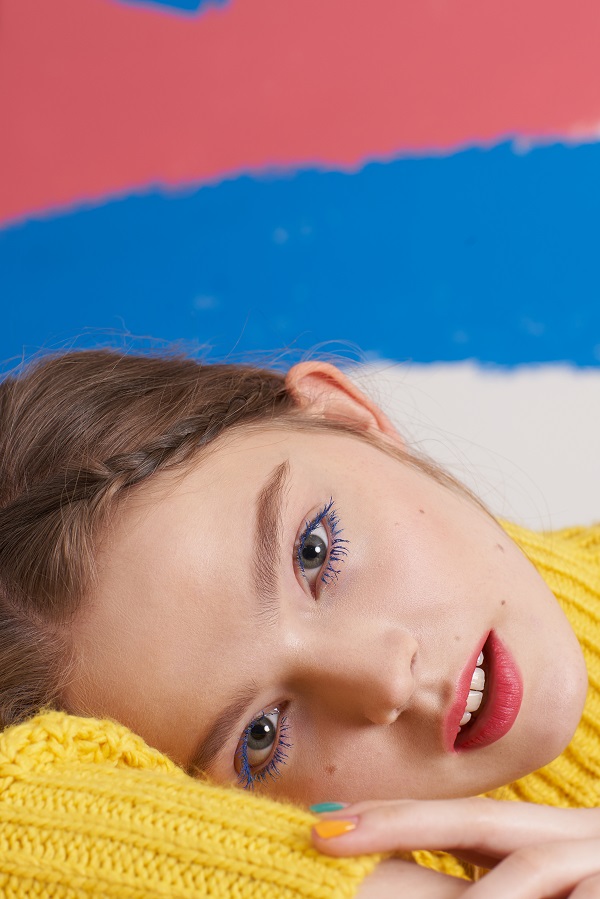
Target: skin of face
(364,667)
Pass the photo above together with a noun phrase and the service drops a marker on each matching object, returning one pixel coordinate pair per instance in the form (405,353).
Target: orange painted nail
(334,827)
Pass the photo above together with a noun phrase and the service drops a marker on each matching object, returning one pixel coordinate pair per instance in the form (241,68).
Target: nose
(366,674)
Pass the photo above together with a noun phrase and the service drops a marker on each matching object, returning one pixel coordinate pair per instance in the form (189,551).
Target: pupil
(262,734)
(314,551)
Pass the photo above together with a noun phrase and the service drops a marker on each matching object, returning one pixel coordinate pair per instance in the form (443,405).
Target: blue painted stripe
(484,254)
(189,5)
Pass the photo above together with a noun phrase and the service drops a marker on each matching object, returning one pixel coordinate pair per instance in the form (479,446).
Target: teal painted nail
(327,807)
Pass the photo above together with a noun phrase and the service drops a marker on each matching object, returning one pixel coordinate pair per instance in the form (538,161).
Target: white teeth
(478,679)
(475,697)
(474,700)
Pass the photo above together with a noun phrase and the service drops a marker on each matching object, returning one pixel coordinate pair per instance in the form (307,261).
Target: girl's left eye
(262,748)
(320,547)
(312,552)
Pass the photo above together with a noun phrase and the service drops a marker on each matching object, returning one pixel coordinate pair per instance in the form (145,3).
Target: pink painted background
(99,98)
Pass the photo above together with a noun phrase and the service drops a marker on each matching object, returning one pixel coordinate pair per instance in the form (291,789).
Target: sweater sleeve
(88,809)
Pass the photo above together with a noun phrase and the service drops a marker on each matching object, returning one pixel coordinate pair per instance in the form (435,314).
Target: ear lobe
(324,391)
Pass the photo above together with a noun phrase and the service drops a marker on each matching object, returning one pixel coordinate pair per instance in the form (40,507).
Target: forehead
(180,529)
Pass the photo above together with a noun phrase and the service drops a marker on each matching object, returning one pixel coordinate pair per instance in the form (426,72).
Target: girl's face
(303,613)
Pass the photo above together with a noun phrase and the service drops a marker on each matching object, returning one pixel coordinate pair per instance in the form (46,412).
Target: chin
(554,705)
(555,728)
(531,746)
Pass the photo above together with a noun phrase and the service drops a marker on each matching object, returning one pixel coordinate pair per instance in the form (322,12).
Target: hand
(398,879)
(537,851)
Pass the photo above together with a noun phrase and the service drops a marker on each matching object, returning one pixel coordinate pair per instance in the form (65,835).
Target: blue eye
(320,547)
(261,751)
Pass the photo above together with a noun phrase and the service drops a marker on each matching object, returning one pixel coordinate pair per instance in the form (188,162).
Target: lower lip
(502,700)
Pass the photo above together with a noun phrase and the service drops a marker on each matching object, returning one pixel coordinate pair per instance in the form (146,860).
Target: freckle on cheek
(503,602)
(500,547)
(330,770)
(457,638)
(422,511)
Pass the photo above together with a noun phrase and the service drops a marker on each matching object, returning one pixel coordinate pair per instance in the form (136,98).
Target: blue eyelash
(337,551)
(247,778)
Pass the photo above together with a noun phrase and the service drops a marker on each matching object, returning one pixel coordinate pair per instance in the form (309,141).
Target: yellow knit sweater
(87,808)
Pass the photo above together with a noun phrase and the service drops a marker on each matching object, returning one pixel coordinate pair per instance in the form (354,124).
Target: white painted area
(526,440)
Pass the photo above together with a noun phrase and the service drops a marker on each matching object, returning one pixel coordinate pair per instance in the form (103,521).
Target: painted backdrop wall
(419,178)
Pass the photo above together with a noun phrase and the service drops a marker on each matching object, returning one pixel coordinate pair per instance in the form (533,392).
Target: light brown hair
(78,431)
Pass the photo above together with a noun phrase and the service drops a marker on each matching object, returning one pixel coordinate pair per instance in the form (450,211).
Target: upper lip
(457,709)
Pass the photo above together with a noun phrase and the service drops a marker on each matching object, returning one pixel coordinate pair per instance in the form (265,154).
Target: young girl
(256,576)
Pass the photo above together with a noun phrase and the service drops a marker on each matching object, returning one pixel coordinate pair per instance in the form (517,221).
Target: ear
(324,391)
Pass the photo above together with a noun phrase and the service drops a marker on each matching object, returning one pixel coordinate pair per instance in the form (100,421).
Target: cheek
(419,572)
(348,765)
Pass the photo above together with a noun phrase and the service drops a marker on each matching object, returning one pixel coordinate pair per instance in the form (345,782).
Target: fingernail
(327,807)
(332,828)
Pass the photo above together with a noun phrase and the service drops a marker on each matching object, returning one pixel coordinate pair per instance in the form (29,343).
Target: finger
(482,828)
(545,871)
(587,889)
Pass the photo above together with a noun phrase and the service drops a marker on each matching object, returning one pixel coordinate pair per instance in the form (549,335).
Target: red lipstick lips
(502,699)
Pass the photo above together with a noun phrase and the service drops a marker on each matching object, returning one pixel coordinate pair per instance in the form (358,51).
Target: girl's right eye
(261,738)
(261,750)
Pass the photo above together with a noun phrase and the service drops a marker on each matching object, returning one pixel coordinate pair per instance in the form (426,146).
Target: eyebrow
(220,732)
(268,533)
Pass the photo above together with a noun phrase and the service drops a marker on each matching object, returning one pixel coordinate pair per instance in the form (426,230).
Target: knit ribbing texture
(88,809)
